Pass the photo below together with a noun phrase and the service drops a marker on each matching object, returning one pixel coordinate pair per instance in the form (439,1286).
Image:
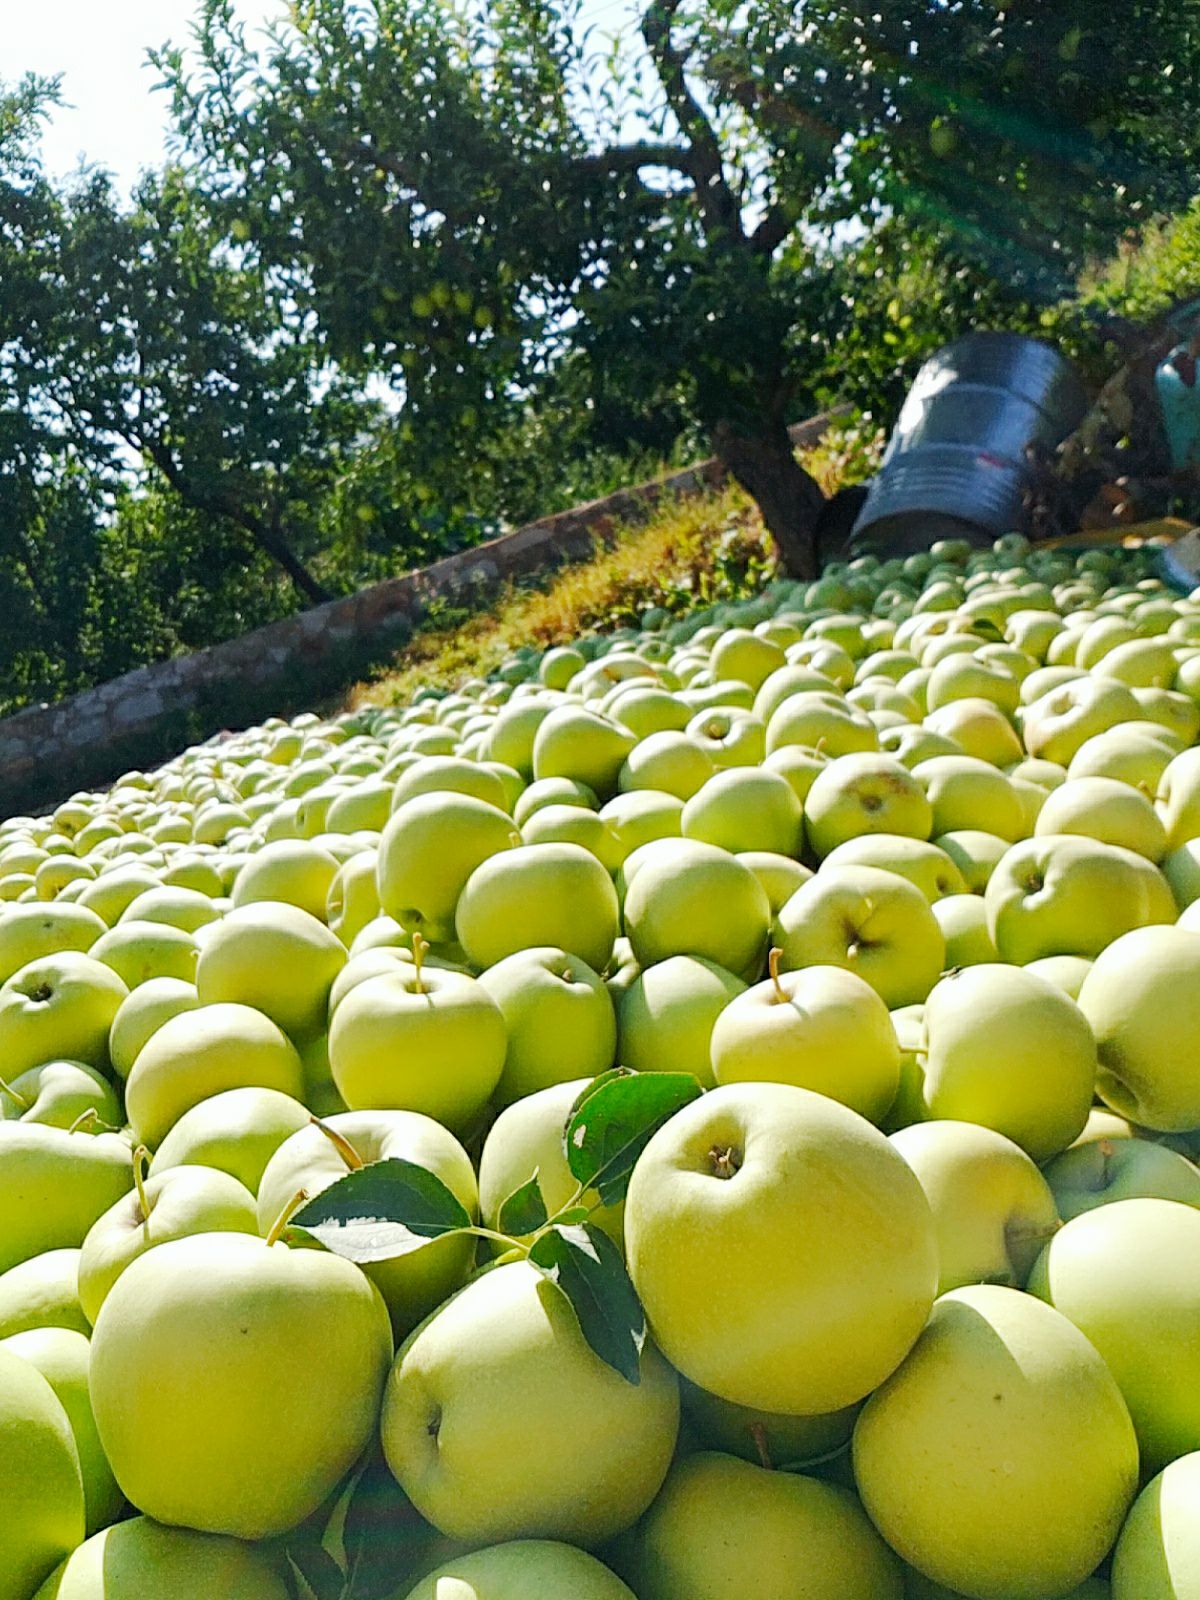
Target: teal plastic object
(1177,382)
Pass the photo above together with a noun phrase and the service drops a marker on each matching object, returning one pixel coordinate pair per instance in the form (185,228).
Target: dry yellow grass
(690,553)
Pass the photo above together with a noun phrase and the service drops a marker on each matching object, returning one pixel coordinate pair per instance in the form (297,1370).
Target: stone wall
(147,715)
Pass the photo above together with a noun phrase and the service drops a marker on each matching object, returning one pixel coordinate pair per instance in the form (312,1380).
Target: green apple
(980,730)
(668,762)
(553,792)
(1158,1554)
(429,849)
(816,1309)
(967,676)
(235,1382)
(500,1421)
(1105,1170)
(535,895)
(1067,895)
(694,899)
(642,815)
(780,876)
(559,1018)
(295,872)
(520,1570)
(559,666)
(993,1209)
(176,1203)
(139,951)
(1055,726)
(746,808)
(142,1014)
(731,735)
(1181,869)
(353,898)
(764,1437)
(446,774)
(1142,1001)
(60,1007)
(527,1139)
(786,682)
(970,795)
(59,1094)
(821,1028)
(53,1186)
(666,1014)
(42,1292)
(975,853)
(1134,758)
(32,932)
(276,958)
(200,1053)
(236,1132)
(364,808)
(375,962)
(63,1357)
(186,909)
(42,1515)
(311,1159)
(781,1533)
(923,864)
(874,923)
(821,721)
(1008,1050)
(514,730)
(1128,1276)
(576,742)
(999,1459)
(1064,972)
(746,656)
(575,825)
(1178,799)
(138,1559)
(115,890)
(419,1039)
(963,921)
(1108,810)
(799,765)
(863,794)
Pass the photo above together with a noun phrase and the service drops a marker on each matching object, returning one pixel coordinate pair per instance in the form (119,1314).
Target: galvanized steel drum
(959,462)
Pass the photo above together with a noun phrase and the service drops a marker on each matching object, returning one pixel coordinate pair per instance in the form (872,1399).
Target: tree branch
(778,221)
(632,157)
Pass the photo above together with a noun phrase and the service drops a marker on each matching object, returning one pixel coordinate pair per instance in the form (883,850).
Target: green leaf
(387,1209)
(388,1543)
(613,1121)
(524,1211)
(315,1568)
(586,1265)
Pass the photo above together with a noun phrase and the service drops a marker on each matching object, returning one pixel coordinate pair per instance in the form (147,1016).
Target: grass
(692,552)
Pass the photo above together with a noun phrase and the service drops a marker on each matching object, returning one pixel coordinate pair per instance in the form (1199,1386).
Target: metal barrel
(959,459)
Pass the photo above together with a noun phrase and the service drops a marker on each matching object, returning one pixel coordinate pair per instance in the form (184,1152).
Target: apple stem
(141,1164)
(13,1095)
(758,1433)
(341,1144)
(419,947)
(773,960)
(286,1215)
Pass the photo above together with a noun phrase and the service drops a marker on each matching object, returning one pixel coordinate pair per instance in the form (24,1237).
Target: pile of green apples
(778,1034)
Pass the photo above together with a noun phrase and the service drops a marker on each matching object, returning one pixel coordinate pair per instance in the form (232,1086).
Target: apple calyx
(141,1165)
(773,959)
(286,1215)
(341,1144)
(19,1099)
(726,1160)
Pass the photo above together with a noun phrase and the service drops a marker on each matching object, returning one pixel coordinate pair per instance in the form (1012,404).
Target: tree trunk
(789,499)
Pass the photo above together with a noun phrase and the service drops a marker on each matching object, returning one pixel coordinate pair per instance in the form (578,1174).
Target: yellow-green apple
(1134,758)
(992,1208)
(668,762)
(31,932)
(780,876)
(187,909)
(789,681)
(538,894)
(140,1558)
(799,765)
(996,1378)
(1181,869)
(42,1515)
(913,744)
(200,1053)
(864,793)
(1158,1554)
(1128,1276)
(318,1155)
(1055,726)
(975,853)
(235,1381)
(63,1356)
(980,729)
(575,825)
(142,1014)
(353,898)
(58,1094)
(1178,798)
(553,792)
(364,808)
(514,730)
(821,720)
(139,951)
(922,863)
(963,677)
(236,1131)
(970,795)
(730,735)
(576,742)
(113,891)
(665,1016)
(172,1205)
(446,774)
(60,1007)
(763,1437)
(276,958)
(294,872)
(874,923)
(642,815)
(42,1292)
(782,1533)
(1108,810)
(818,1309)
(644,709)
(689,898)
(559,1019)
(519,1570)
(746,808)
(821,1028)
(429,849)
(1008,1050)
(375,962)
(500,1421)
(527,1139)
(1101,1171)
(53,1186)
(419,1039)
(963,921)
(1063,894)
(1065,972)
(1177,714)
(746,656)
(1142,1000)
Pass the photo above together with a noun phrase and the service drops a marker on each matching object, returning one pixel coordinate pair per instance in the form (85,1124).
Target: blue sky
(112,115)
